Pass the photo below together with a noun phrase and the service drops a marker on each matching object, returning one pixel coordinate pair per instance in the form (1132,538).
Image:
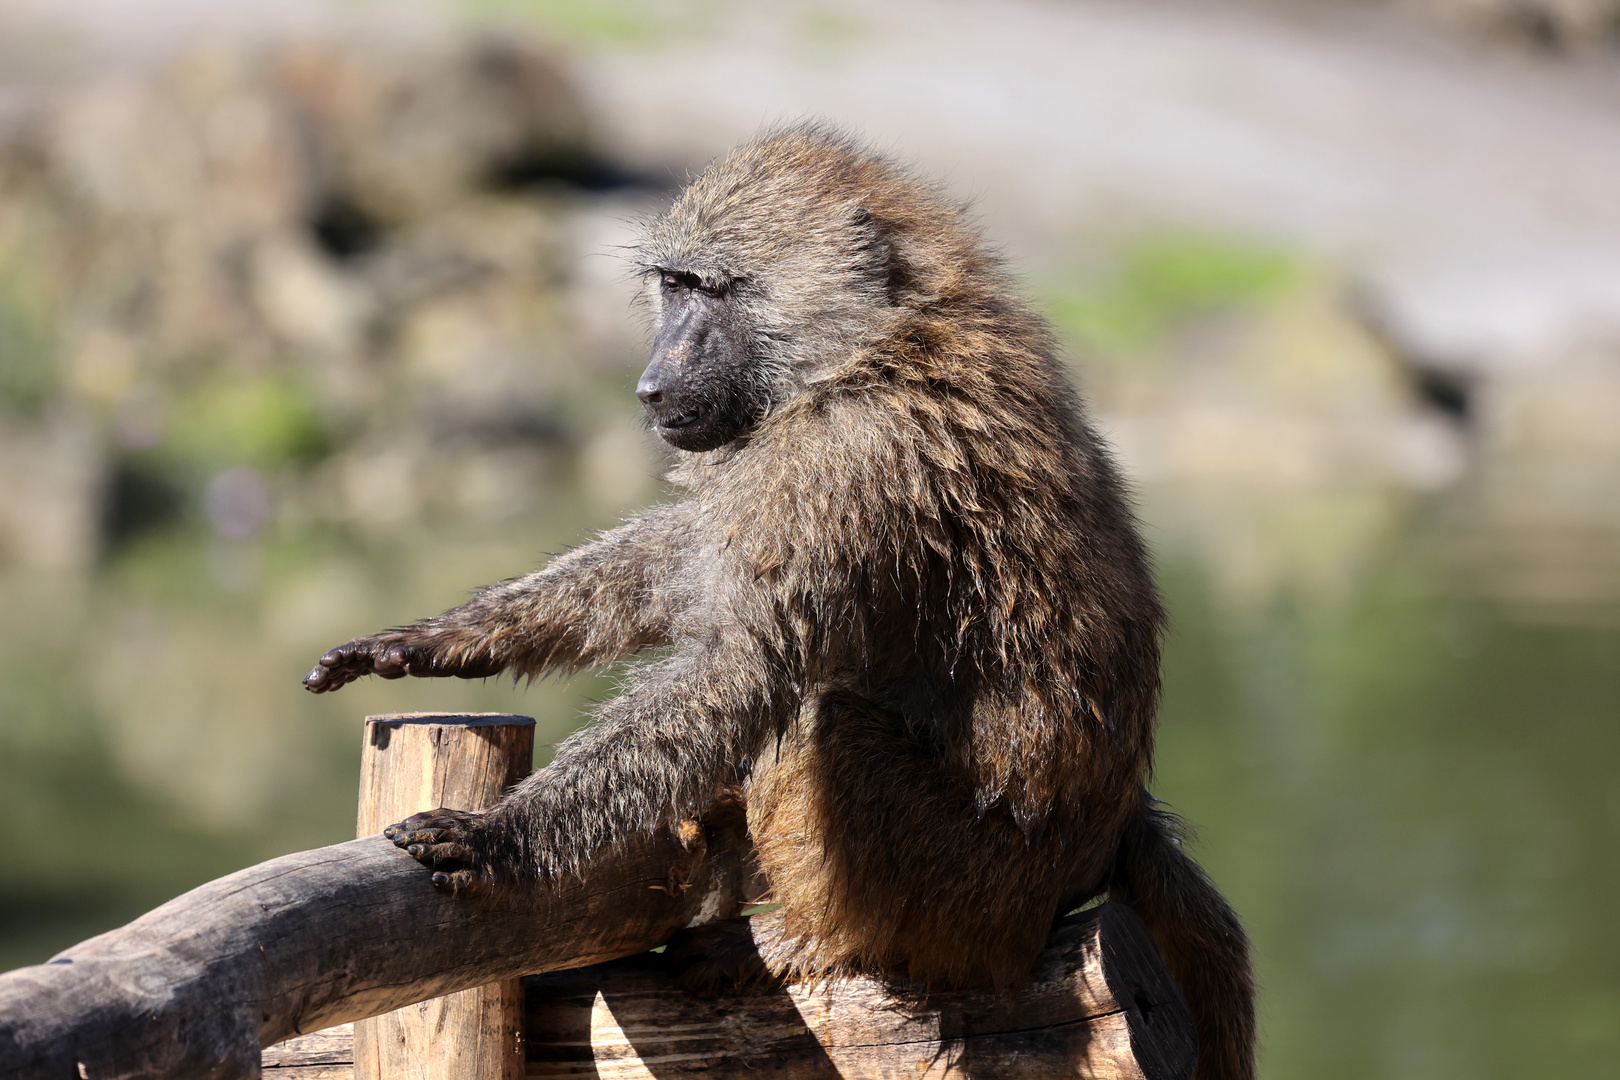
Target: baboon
(903,606)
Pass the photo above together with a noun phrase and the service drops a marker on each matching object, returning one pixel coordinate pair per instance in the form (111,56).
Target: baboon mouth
(697,429)
(675,423)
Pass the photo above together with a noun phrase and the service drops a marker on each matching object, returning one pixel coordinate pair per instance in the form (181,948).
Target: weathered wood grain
(422,761)
(1098,1004)
(196,987)
(321,1055)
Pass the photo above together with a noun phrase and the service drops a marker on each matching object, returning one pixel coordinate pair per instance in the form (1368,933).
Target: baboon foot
(453,843)
(719,956)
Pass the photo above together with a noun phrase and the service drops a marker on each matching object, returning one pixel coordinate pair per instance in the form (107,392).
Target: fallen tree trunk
(198,986)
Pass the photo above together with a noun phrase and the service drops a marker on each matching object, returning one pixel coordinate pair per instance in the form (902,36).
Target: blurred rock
(51,478)
(1295,397)
(307,301)
(237,502)
(398,139)
(1556,24)
(359,227)
(1537,525)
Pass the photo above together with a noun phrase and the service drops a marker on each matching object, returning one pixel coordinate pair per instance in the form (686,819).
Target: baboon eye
(674,280)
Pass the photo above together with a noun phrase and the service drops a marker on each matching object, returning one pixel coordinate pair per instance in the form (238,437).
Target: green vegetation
(583,22)
(29,375)
(266,420)
(1159,284)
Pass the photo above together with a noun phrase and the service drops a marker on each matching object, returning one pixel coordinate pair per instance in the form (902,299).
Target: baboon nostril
(648,388)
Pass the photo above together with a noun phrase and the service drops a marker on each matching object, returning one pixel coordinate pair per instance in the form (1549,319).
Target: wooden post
(423,761)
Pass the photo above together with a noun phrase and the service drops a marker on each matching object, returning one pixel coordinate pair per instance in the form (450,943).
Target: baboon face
(768,273)
(697,388)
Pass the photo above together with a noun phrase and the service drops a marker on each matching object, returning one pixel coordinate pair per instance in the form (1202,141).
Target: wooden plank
(320,1055)
(331,1046)
(422,761)
(1098,1004)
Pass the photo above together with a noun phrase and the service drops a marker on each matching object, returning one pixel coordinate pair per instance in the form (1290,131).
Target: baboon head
(776,266)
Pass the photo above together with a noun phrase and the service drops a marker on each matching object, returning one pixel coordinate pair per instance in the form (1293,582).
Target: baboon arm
(591,606)
(684,729)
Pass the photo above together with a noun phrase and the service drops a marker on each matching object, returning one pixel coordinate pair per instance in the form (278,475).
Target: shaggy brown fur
(906,608)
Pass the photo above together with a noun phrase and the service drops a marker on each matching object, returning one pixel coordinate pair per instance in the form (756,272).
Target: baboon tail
(1199,936)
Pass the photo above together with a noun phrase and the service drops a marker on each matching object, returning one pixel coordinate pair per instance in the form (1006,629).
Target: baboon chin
(903,606)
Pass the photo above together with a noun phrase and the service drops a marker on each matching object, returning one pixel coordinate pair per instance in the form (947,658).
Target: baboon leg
(720,956)
(880,855)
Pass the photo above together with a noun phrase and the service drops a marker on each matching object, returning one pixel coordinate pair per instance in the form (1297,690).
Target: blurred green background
(312,321)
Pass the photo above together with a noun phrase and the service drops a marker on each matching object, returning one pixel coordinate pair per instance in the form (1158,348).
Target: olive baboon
(904,606)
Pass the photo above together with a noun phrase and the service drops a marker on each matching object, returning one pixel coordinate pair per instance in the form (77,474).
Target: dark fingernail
(441,879)
(415,850)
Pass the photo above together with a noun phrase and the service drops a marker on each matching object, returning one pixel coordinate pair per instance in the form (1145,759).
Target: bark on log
(1098,1004)
(463,761)
(195,988)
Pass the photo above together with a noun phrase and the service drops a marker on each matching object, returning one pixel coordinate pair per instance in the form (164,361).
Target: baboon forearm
(576,614)
(590,607)
(659,751)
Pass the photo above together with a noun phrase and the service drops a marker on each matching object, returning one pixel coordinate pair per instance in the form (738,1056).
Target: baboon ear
(883,255)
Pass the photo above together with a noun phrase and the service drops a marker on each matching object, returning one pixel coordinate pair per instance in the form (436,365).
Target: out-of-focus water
(1411,797)
(1408,789)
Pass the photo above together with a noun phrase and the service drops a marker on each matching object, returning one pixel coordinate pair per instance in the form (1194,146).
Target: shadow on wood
(1098,1004)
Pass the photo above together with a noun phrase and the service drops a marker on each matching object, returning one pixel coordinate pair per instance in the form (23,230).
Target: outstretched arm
(657,753)
(589,607)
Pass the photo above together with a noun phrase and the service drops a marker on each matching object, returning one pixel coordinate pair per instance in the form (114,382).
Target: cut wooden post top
(435,727)
(462,719)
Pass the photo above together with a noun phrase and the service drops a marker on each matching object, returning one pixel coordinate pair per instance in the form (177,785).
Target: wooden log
(195,988)
(421,761)
(1098,1004)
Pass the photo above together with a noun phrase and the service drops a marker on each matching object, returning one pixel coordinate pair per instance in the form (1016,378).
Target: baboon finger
(440,854)
(453,881)
(406,838)
(391,664)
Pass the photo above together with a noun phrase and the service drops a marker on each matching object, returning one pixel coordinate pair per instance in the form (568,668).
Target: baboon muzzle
(693,388)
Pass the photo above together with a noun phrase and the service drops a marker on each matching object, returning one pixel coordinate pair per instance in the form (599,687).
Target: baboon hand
(380,655)
(393,657)
(453,843)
